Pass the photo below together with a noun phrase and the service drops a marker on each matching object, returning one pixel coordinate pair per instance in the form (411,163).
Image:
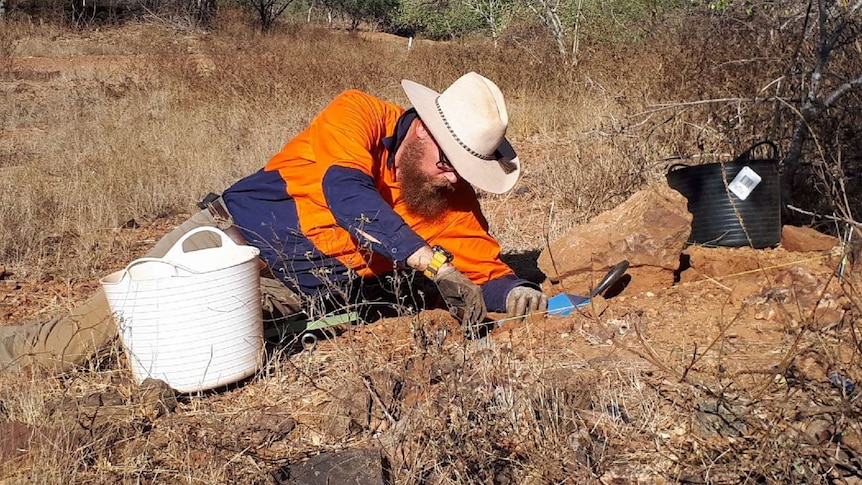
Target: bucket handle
(676,166)
(175,266)
(177,248)
(746,155)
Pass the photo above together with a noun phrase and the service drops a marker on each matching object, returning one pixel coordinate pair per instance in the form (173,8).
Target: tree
(267,11)
(495,13)
(376,11)
(569,20)
(825,76)
(436,19)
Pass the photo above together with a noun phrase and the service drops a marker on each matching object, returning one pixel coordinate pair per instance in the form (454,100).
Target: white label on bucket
(744,182)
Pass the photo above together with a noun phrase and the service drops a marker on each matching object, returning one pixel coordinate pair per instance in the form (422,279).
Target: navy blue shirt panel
(266,216)
(358,208)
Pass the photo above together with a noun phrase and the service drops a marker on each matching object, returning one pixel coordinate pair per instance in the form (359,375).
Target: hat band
(476,154)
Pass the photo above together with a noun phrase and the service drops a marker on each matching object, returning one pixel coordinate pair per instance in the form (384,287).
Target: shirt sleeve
(496,290)
(358,207)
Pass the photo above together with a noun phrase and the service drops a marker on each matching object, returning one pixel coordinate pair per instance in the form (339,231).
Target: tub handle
(677,166)
(177,249)
(746,155)
(174,266)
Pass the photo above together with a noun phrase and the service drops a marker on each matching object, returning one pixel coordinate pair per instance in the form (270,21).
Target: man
(367,190)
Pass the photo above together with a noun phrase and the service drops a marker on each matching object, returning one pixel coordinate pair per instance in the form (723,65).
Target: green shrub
(436,19)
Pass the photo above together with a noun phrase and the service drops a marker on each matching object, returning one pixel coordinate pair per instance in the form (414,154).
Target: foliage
(375,11)
(496,14)
(266,11)
(571,21)
(619,20)
(436,19)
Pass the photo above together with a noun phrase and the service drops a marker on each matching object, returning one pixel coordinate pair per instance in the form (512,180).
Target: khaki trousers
(68,340)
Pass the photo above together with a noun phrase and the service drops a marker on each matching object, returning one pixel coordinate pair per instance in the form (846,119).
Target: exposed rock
(16,440)
(155,398)
(277,425)
(346,414)
(805,239)
(720,262)
(357,466)
(366,403)
(715,417)
(649,230)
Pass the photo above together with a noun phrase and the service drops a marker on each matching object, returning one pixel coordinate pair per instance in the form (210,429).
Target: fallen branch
(376,397)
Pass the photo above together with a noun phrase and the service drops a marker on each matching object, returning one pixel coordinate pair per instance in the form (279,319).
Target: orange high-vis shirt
(349,133)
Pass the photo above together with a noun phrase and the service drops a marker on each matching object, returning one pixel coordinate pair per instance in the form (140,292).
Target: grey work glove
(523,300)
(463,297)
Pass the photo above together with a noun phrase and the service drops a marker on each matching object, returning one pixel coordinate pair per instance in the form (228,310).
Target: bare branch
(654,108)
(831,218)
(705,101)
(840,90)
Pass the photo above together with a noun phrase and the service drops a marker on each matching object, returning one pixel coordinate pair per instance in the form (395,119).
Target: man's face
(427,179)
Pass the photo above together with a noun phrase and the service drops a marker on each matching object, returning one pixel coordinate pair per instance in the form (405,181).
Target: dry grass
(92,147)
(99,144)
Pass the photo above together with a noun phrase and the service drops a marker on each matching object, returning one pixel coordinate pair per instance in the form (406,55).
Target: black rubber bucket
(719,216)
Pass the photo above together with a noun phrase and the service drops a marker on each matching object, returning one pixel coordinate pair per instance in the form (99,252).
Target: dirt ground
(746,344)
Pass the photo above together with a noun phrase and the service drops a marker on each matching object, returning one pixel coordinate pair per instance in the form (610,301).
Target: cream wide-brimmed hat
(469,121)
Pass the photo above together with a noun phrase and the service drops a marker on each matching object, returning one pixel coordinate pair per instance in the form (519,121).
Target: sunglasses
(443,163)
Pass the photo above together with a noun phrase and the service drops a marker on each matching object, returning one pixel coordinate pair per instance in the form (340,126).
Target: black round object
(714,220)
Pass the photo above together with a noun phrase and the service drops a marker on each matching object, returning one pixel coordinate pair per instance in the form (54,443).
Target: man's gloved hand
(464,297)
(522,300)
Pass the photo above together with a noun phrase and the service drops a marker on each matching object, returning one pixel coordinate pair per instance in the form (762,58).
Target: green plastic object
(302,325)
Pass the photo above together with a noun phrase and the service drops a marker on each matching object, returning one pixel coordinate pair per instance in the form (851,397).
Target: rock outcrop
(649,230)
(806,239)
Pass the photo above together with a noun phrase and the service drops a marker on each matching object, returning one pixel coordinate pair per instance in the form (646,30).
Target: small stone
(348,466)
(819,431)
(10,284)
(649,294)
(130,224)
(596,307)
(156,398)
(768,314)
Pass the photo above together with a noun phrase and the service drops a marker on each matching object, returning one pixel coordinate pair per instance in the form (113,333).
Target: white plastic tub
(192,319)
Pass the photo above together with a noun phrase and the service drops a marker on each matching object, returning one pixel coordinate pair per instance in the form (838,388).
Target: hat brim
(496,176)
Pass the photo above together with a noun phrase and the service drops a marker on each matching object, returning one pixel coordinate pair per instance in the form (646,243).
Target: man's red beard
(425,195)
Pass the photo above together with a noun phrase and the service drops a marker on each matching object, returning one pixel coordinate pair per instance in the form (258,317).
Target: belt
(219,211)
(214,204)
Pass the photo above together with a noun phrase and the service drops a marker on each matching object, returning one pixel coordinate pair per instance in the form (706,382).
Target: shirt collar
(394,141)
